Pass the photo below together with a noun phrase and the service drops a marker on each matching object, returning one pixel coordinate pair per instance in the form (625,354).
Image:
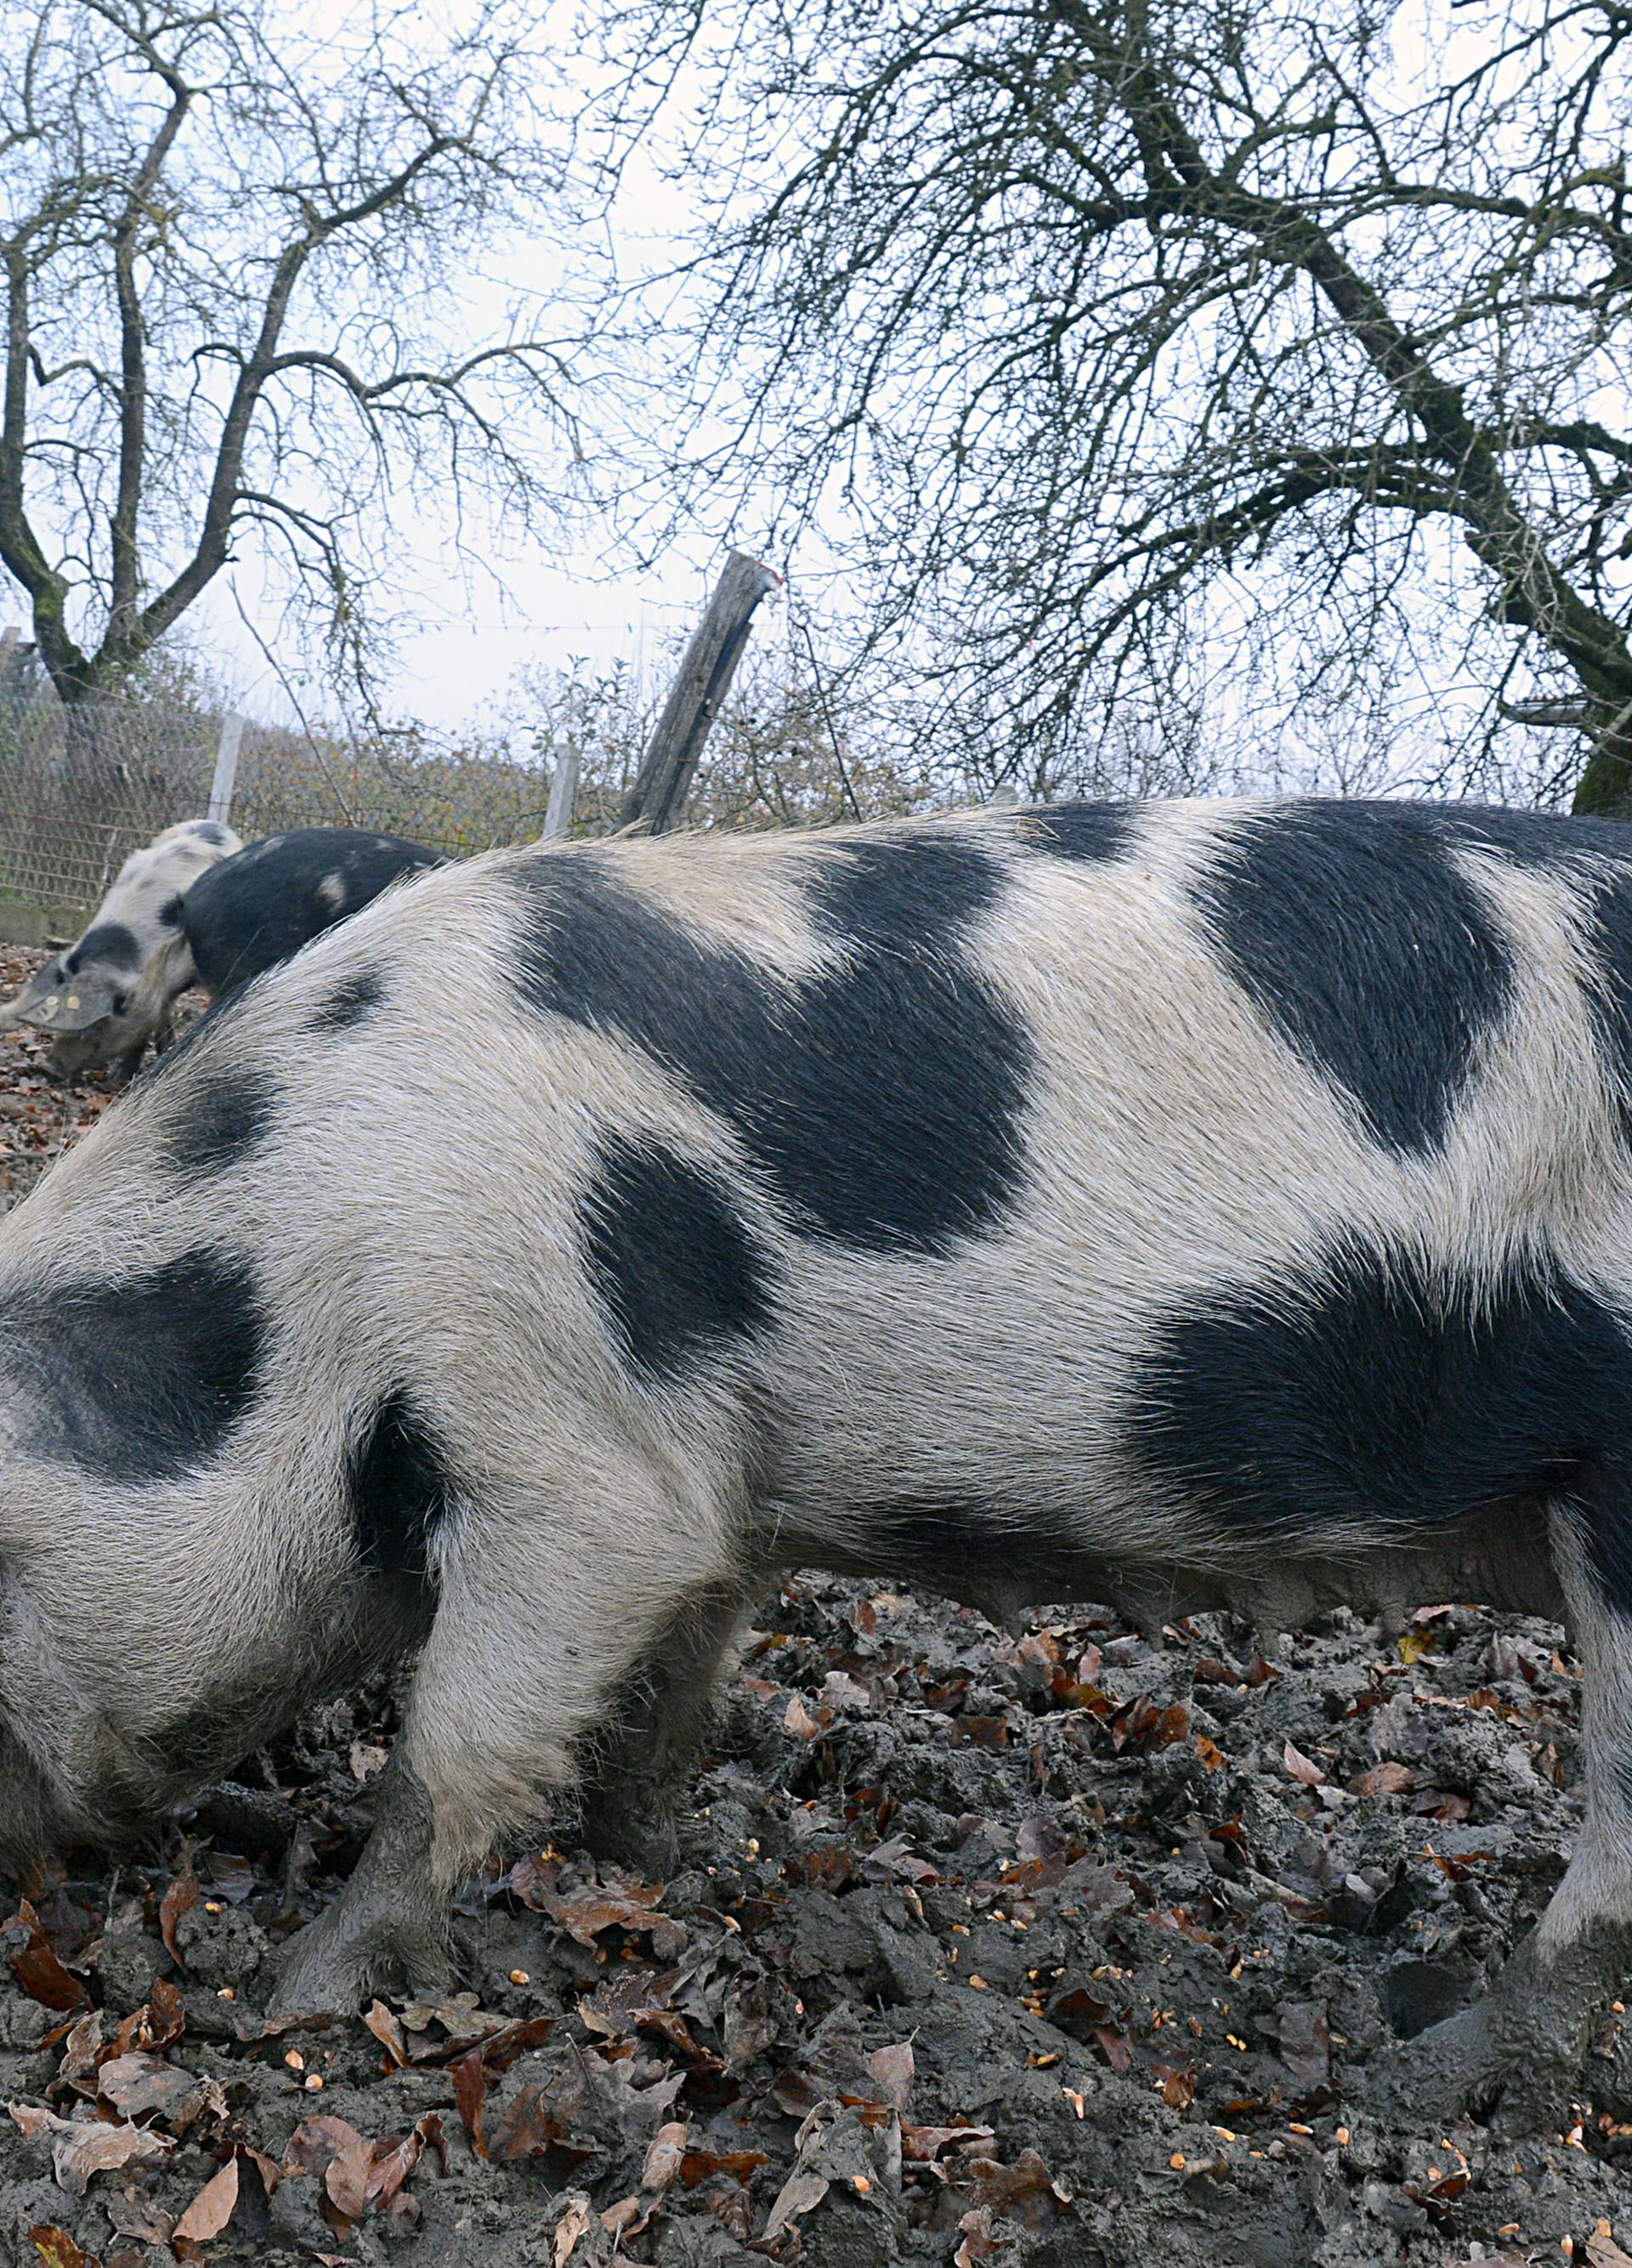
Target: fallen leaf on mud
(1025,2191)
(574,2225)
(1178,2083)
(82,2148)
(389,2033)
(583,1914)
(629,2217)
(57,2249)
(133,2213)
(892,2068)
(799,2194)
(1307,2044)
(332,2149)
(1441,1803)
(36,1966)
(134,2085)
(664,2154)
(799,1721)
(470,2091)
(1413,1645)
(180,1896)
(703,2165)
(212,2208)
(1386,1779)
(1602,2251)
(1302,1767)
(978,2243)
(392,2164)
(923,2145)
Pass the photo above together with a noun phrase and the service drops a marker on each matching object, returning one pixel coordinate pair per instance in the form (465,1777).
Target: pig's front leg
(1523,2050)
(388,1926)
(543,1621)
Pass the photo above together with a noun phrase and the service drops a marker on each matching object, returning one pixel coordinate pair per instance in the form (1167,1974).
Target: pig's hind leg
(1524,2048)
(630,1765)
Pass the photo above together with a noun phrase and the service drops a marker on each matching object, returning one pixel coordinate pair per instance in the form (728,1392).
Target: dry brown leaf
(180,1896)
(212,2208)
(575,2224)
(83,2147)
(394,2162)
(799,2194)
(893,2067)
(389,2033)
(1386,1779)
(1602,2251)
(1302,1767)
(36,1966)
(470,2091)
(800,1721)
(923,2145)
(347,2174)
(57,2249)
(664,2154)
(135,2084)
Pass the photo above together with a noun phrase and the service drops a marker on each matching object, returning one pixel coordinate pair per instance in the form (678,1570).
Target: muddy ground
(1059,1949)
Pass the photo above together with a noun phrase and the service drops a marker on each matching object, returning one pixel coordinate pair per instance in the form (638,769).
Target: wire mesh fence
(80,790)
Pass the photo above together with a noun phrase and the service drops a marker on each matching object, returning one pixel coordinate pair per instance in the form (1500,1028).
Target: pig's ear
(73,1004)
(40,985)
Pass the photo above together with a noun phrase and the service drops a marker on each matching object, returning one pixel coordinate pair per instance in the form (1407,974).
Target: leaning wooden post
(709,662)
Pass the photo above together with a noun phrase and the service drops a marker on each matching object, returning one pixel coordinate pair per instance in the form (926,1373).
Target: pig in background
(265,903)
(1183,1206)
(155,934)
(115,988)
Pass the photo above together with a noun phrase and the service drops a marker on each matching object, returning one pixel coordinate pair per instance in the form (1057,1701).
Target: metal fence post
(226,769)
(563,790)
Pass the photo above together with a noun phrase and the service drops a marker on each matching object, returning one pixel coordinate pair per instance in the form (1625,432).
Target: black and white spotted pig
(274,897)
(1187,1204)
(113,990)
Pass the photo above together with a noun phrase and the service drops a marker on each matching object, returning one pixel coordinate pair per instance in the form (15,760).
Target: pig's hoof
(1468,2064)
(331,1966)
(628,1821)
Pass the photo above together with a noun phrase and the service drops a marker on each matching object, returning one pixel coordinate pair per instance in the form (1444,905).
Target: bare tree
(1149,327)
(228,235)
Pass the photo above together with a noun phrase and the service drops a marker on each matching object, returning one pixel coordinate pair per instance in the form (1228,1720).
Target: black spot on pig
(400,1492)
(1475,1394)
(110,945)
(1090,832)
(677,1270)
(1611,991)
(1356,938)
(882,1098)
(897,895)
(350,1002)
(169,915)
(209,831)
(221,1118)
(1538,840)
(143,1380)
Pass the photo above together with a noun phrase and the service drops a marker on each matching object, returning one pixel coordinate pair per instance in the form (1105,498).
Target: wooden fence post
(226,769)
(563,789)
(709,662)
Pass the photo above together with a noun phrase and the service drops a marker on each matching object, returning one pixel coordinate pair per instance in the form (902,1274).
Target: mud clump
(1060,1948)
